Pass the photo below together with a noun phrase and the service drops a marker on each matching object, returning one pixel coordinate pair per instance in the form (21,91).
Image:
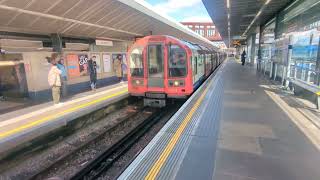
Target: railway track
(92,151)
(104,160)
(130,130)
(94,144)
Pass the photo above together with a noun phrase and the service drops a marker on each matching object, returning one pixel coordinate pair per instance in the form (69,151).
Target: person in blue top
(64,83)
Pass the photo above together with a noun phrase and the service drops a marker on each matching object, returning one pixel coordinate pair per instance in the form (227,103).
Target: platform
(188,141)
(265,134)
(26,124)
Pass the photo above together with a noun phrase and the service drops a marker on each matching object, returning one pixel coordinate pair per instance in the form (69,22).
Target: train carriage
(162,67)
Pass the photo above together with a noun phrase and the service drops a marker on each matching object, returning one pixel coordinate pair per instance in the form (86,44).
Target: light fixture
(229,26)
(267,2)
(259,13)
(256,17)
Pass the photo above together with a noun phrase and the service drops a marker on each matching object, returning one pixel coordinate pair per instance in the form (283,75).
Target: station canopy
(119,20)
(245,15)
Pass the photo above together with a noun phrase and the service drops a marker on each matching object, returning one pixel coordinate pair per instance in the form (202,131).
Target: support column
(318,66)
(259,49)
(253,48)
(56,43)
(92,47)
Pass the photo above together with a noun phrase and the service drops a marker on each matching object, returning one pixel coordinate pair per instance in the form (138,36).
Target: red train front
(160,67)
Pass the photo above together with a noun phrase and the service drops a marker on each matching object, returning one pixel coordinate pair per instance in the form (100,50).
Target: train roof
(199,48)
(191,45)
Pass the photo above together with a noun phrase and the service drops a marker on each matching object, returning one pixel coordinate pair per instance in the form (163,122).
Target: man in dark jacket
(243,57)
(92,67)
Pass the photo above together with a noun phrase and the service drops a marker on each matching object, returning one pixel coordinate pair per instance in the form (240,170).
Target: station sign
(103,42)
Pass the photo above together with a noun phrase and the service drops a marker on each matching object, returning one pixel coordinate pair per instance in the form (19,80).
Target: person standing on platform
(54,79)
(124,70)
(92,67)
(117,66)
(243,57)
(64,83)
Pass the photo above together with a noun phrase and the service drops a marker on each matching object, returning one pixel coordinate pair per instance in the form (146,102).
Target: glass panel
(304,54)
(177,62)
(136,62)
(155,61)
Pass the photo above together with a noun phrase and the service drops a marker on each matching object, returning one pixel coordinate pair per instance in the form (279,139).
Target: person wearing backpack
(54,79)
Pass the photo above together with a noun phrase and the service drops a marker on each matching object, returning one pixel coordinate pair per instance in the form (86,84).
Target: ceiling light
(258,13)
(228,4)
(256,17)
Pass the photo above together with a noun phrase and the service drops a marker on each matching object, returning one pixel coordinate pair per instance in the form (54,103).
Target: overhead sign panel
(103,42)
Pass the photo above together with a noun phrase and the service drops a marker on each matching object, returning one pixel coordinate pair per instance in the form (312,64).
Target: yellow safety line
(153,172)
(54,116)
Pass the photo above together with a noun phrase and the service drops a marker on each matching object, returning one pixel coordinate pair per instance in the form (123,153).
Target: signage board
(103,43)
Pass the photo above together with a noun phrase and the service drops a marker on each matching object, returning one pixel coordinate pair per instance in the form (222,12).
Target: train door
(194,67)
(155,64)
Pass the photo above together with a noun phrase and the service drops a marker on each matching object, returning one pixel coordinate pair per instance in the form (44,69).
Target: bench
(300,87)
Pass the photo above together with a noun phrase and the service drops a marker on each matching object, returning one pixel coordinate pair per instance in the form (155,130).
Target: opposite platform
(26,124)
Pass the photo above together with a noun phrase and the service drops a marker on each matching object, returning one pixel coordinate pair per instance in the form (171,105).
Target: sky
(182,10)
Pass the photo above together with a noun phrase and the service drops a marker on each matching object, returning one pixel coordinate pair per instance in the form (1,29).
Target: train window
(177,61)
(136,62)
(155,61)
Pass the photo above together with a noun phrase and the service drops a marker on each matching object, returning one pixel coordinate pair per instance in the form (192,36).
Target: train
(164,67)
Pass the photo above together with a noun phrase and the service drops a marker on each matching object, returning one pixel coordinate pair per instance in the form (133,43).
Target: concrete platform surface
(262,135)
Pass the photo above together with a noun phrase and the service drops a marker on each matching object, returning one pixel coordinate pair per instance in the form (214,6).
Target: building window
(210,32)
(201,32)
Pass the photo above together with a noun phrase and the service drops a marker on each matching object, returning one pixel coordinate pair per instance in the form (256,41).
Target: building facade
(205,29)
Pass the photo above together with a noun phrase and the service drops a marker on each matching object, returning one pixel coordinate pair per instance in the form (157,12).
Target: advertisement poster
(83,64)
(98,61)
(73,65)
(106,62)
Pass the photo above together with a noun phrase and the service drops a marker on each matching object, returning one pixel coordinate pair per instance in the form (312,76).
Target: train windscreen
(177,61)
(136,62)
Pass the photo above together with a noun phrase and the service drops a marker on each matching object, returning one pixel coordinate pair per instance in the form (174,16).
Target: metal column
(56,43)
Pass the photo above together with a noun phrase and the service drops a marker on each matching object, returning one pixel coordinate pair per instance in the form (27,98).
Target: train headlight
(176,83)
(137,82)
